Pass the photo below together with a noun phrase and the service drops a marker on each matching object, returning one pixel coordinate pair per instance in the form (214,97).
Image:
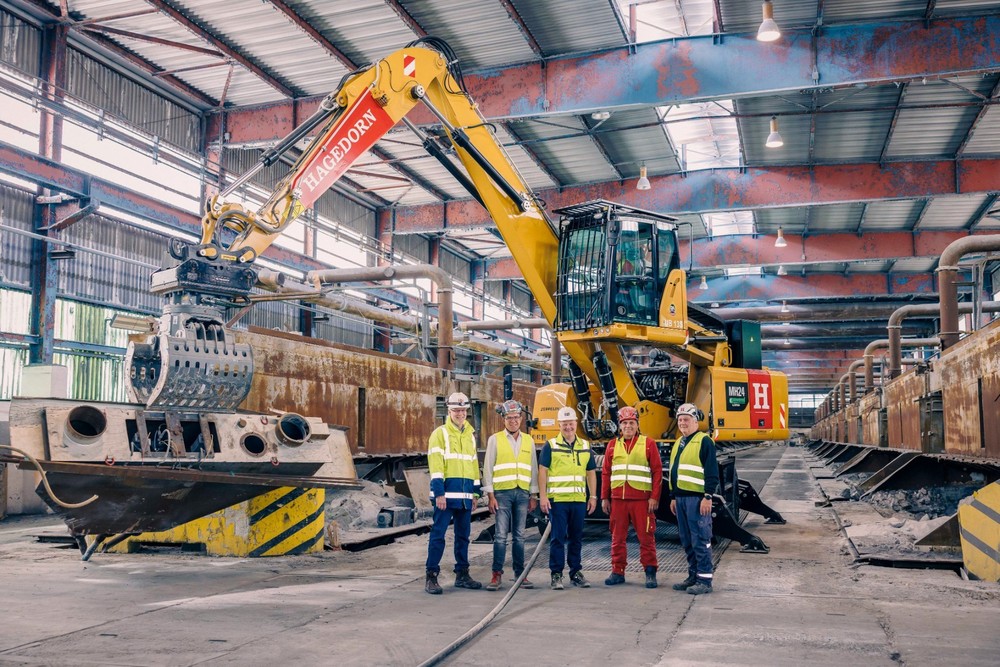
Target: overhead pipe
(884,343)
(555,365)
(948,281)
(279,283)
(896,324)
(437,275)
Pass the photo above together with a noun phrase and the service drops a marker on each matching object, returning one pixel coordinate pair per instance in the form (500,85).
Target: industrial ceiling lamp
(768,30)
(774,139)
(784,306)
(704,283)
(780,242)
(643,182)
(781,270)
(601,115)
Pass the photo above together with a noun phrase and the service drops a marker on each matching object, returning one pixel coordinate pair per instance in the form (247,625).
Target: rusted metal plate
(868,408)
(970,388)
(901,397)
(853,430)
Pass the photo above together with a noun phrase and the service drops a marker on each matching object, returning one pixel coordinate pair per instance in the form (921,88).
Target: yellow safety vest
(567,481)
(510,472)
(631,467)
(690,473)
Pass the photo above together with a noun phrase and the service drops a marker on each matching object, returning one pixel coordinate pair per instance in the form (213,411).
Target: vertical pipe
(556,359)
(869,372)
(948,294)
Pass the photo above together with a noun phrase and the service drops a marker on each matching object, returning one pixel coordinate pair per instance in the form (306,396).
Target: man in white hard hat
(567,475)
(454,468)
(510,480)
(693,479)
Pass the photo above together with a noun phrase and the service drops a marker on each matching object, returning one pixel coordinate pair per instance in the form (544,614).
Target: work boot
(463,580)
(557,584)
(686,584)
(494,582)
(579,580)
(614,579)
(527,583)
(651,577)
(431,584)
(700,588)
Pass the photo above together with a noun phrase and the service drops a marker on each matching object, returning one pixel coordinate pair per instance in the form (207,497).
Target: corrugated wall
(20,44)
(106,89)
(15,249)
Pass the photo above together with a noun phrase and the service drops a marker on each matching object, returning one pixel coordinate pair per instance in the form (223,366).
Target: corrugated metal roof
(891,215)
(957,212)
(365,30)
(743,16)
(628,149)
(571,26)
(574,158)
(20,44)
(986,136)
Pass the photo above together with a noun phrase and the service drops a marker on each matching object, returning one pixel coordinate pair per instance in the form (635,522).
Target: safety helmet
(567,414)
(458,400)
(627,413)
(691,410)
(510,409)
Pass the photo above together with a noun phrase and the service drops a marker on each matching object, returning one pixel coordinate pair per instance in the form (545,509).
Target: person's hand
(544,504)
(653,505)
(706,507)
(493,504)
(606,506)
(441,502)
(673,507)
(591,505)
(532,504)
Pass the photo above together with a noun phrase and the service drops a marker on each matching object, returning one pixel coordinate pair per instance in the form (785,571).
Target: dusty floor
(803,604)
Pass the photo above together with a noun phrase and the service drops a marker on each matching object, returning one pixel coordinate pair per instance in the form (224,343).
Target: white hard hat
(567,414)
(691,410)
(458,400)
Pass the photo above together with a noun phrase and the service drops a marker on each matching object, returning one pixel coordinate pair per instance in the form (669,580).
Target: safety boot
(495,582)
(579,580)
(651,577)
(686,584)
(700,588)
(463,580)
(557,584)
(614,579)
(431,584)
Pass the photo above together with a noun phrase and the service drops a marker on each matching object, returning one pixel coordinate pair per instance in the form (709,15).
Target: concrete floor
(803,604)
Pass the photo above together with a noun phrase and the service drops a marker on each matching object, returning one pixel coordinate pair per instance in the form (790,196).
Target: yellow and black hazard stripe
(979,528)
(286,521)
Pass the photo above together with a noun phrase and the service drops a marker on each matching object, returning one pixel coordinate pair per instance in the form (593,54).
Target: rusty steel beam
(747,189)
(200,32)
(153,40)
(522,27)
(813,285)
(313,33)
(406,18)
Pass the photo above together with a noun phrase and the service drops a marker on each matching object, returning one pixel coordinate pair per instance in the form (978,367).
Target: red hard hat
(627,413)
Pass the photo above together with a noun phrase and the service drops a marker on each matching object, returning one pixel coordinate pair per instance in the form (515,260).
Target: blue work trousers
(435,548)
(566,538)
(696,536)
(512,513)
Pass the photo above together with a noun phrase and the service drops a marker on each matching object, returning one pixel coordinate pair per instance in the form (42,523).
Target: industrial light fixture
(601,115)
(704,283)
(780,242)
(788,342)
(768,30)
(643,182)
(138,323)
(784,306)
(774,139)
(65,253)
(781,270)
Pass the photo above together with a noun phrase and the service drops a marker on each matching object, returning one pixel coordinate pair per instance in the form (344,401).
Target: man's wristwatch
(708,496)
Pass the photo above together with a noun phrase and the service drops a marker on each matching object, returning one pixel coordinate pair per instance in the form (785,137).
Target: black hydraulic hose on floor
(481,625)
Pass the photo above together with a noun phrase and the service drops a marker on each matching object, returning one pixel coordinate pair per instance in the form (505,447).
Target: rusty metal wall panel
(869,406)
(904,411)
(15,249)
(20,43)
(851,415)
(969,368)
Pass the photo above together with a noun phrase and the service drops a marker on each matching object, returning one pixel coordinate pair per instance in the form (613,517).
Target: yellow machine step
(979,526)
(283,522)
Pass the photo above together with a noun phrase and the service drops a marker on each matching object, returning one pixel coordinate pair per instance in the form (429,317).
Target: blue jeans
(512,513)
(567,531)
(696,537)
(435,548)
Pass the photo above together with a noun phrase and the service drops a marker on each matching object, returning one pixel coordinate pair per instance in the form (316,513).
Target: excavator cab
(614,263)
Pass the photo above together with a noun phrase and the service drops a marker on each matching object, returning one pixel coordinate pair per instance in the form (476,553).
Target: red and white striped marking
(781,414)
(409,66)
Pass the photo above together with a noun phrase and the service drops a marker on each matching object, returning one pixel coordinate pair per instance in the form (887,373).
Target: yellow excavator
(607,277)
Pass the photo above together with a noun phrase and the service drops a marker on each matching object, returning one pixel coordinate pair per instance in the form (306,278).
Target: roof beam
(698,69)
(975,123)
(313,33)
(236,55)
(406,18)
(737,189)
(522,27)
(812,285)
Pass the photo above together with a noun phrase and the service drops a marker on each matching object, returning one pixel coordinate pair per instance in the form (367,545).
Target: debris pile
(932,501)
(893,536)
(358,509)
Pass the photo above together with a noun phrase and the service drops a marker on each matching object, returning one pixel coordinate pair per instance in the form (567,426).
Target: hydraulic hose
(45,481)
(582,391)
(481,625)
(608,389)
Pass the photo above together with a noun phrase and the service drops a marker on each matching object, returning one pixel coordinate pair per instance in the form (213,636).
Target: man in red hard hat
(632,476)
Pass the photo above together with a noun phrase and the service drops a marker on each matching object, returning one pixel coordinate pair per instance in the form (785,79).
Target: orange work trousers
(635,513)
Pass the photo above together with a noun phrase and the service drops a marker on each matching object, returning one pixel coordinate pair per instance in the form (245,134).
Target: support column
(384,222)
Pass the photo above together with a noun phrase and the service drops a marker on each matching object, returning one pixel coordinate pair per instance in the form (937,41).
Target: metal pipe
(437,275)
(884,343)
(508,353)
(494,325)
(555,364)
(896,324)
(948,281)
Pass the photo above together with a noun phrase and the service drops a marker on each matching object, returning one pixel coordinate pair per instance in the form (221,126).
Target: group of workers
(561,479)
